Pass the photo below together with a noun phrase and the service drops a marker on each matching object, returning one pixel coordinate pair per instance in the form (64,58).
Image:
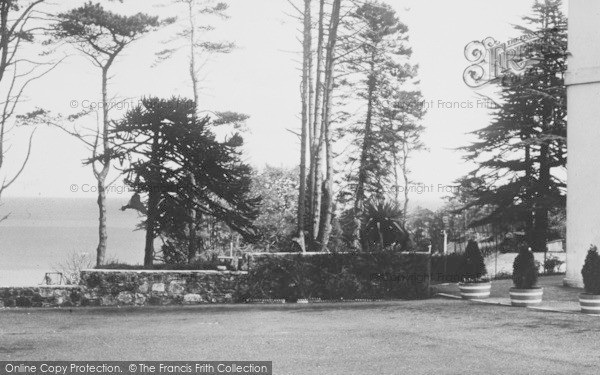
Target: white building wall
(583,80)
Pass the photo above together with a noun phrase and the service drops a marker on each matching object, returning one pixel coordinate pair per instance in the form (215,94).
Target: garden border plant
(525,275)
(339,276)
(589,300)
(474,282)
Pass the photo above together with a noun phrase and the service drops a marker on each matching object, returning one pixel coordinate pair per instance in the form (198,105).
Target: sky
(262,79)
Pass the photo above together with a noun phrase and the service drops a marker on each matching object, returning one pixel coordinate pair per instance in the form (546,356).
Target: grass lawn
(503,263)
(403,337)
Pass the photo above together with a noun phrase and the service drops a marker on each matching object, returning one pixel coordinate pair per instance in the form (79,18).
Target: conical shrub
(525,273)
(591,271)
(474,265)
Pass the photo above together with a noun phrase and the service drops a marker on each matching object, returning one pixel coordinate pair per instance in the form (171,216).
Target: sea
(41,234)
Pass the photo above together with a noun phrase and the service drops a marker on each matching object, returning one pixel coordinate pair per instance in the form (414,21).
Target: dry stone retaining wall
(123,287)
(41,296)
(130,288)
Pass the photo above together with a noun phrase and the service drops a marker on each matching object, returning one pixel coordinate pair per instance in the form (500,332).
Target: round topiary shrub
(473,264)
(525,273)
(591,271)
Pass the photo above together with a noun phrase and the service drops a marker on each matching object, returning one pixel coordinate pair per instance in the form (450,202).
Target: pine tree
(101,36)
(518,153)
(401,113)
(315,193)
(166,143)
(376,60)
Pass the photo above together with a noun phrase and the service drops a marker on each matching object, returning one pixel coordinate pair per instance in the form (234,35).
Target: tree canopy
(520,154)
(177,161)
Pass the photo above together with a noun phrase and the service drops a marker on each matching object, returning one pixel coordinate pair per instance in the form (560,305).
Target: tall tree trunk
(305,96)
(405,176)
(541,209)
(317,126)
(101,175)
(362,168)
(529,196)
(312,172)
(153,198)
(4,45)
(193,71)
(102,233)
(540,230)
(192,248)
(5,35)
(154,194)
(327,215)
(396,179)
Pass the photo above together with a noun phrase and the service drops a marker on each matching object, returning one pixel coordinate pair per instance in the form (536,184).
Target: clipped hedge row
(382,275)
(450,272)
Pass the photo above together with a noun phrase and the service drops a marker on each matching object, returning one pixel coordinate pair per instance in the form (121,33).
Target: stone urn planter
(475,290)
(590,303)
(525,274)
(526,297)
(590,300)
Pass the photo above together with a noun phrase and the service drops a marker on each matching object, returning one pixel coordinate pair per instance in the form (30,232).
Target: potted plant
(525,275)
(474,284)
(590,299)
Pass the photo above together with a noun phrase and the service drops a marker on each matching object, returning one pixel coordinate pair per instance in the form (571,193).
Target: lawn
(503,263)
(429,336)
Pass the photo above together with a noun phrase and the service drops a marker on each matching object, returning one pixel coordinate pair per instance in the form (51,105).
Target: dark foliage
(552,264)
(381,275)
(447,268)
(175,251)
(474,265)
(516,155)
(591,271)
(525,270)
(383,227)
(99,28)
(278,188)
(176,160)
(376,72)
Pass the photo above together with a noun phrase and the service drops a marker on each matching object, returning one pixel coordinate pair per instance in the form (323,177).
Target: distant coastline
(43,232)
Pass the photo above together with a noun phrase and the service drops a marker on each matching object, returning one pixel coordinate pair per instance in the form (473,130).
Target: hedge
(453,268)
(381,275)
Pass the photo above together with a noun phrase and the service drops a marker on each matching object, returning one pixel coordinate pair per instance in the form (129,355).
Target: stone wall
(332,277)
(41,296)
(143,287)
(125,287)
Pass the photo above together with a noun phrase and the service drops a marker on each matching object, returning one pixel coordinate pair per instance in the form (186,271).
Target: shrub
(591,271)
(173,251)
(552,265)
(503,276)
(382,225)
(474,265)
(72,266)
(525,270)
(447,268)
(339,276)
